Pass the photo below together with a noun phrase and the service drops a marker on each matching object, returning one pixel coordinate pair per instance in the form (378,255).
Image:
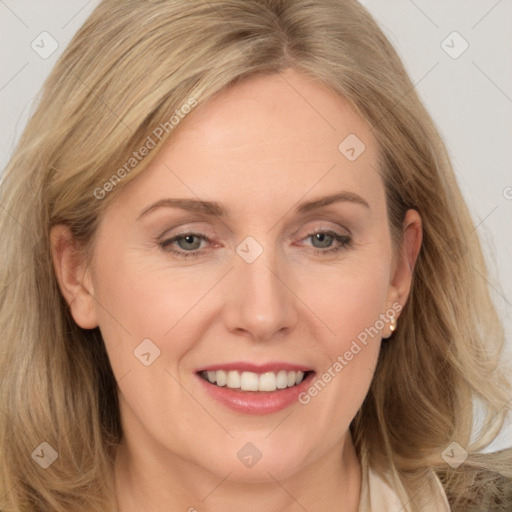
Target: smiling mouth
(250,381)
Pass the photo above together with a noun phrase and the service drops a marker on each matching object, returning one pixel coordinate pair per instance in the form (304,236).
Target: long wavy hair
(130,68)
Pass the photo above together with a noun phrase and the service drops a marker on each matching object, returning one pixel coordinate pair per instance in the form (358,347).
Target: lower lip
(256,402)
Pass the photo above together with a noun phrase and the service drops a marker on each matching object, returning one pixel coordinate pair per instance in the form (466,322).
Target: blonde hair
(129,69)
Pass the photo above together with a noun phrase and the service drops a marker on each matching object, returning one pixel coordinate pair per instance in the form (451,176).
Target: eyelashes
(171,245)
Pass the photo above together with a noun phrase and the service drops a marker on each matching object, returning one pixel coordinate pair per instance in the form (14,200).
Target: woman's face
(241,286)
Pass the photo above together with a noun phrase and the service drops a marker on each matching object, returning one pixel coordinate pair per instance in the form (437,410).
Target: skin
(258,149)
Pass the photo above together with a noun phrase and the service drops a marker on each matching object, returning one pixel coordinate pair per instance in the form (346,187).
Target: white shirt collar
(379,496)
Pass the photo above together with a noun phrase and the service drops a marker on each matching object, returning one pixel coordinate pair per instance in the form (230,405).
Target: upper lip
(256,368)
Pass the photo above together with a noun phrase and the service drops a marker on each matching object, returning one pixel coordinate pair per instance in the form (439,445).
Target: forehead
(281,134)
(273,110)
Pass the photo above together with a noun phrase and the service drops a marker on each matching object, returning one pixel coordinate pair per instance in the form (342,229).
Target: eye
(325,239)
(188,243)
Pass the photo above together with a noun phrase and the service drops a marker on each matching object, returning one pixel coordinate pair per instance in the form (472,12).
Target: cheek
(137,303)
(146,311)
(349,306)
(145,299)
(349,298)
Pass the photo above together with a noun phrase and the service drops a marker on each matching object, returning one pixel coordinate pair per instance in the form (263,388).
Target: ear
(73,276)
(405,260)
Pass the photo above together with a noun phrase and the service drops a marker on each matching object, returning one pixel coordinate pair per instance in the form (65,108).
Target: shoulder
(378,494)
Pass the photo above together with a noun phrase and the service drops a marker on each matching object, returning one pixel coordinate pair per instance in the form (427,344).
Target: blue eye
(326,238)
(185,242)
(189,244)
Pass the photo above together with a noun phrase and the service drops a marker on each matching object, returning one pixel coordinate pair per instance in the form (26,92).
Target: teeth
(249,381)
(267,382)
(221,378)
(282,379)
(233,379)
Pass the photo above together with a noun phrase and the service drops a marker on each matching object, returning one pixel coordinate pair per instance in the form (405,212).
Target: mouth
(258,389)
(270,381)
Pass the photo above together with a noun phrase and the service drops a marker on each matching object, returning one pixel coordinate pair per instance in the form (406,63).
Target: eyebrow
(214,209)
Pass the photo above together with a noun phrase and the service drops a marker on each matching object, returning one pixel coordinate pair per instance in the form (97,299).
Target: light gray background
(470,98)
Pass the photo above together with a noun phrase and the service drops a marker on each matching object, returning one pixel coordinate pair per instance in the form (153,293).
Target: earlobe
(73,276)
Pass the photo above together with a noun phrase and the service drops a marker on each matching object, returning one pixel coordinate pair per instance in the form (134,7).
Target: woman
(246,264)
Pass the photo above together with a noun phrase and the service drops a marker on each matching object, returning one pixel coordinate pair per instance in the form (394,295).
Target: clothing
(378,496)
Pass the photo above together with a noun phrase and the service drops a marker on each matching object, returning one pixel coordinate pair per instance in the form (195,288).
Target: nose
(261,302)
